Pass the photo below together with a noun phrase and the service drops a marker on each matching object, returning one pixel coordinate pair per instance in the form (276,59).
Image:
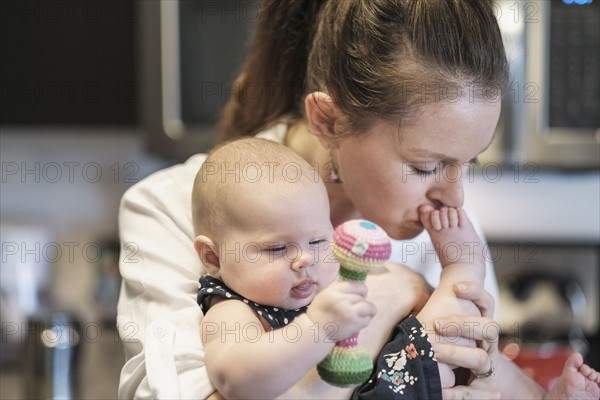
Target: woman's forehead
(438,130)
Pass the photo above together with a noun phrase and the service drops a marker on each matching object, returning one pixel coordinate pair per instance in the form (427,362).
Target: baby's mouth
(304,289)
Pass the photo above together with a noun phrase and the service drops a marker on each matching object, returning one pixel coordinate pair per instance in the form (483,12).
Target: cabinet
(68,62)
(191,52)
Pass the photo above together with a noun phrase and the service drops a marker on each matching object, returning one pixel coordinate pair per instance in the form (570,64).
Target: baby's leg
(460,251)
(578,381)
(456,243)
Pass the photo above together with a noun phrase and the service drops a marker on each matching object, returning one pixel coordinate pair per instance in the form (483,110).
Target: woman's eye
(424,172)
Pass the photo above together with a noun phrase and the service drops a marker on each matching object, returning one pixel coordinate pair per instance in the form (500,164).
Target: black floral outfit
(406,367)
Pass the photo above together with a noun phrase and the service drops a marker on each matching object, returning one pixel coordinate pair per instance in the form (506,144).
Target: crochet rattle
(359,246)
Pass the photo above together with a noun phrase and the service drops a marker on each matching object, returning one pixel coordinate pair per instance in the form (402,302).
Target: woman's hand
(480,361)
(477,294)
(397,291)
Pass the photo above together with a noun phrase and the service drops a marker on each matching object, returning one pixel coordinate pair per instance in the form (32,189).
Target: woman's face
(391,170)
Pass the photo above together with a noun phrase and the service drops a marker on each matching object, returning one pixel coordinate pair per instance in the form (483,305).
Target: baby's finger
(365,309)
(477,294)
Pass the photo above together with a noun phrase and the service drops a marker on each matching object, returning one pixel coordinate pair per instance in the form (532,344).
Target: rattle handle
(352,341)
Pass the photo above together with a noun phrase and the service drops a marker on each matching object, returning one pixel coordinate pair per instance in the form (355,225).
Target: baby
(265,243)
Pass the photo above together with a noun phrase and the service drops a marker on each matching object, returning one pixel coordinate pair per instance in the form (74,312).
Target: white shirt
(158,317)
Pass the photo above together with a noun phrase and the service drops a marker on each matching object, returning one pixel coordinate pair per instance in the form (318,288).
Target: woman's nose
(447,192)
(303,260)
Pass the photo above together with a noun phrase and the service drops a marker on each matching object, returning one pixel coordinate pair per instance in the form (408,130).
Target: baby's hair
(241,168)
(376,58)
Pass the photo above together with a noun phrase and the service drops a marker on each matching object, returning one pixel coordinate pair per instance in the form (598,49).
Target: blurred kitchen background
(96,95)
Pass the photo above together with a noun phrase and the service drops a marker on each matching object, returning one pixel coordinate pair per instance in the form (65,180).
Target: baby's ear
(208,251)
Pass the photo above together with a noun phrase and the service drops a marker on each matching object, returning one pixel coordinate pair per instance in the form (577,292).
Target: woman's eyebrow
(427,153)
(424,153)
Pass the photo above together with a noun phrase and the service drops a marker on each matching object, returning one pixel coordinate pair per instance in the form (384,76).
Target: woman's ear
(322,114)
(208,251)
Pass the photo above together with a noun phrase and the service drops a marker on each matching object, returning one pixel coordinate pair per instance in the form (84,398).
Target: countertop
(533,204)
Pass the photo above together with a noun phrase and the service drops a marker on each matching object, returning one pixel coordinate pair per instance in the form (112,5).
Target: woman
(390,100)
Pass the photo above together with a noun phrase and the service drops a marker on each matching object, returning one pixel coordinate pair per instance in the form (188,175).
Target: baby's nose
(304,259)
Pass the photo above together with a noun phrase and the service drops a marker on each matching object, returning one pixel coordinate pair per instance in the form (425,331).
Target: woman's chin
(405,233)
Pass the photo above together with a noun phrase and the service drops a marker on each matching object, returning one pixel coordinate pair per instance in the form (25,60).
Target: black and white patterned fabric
(276,317)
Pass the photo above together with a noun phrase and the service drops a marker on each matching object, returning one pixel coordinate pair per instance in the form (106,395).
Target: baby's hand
(342,310)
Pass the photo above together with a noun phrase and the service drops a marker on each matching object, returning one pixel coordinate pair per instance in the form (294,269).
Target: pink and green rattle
(359,246)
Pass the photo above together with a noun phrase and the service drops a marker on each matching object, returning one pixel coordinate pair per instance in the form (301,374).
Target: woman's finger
(471,358)
(469,327)
(477,294)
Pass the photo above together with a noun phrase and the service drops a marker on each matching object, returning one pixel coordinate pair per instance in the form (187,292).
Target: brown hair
(376,58)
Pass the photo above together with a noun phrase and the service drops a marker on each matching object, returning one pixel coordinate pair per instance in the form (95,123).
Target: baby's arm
(245,361)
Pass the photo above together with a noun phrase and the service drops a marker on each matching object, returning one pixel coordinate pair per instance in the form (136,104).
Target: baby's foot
(578,381)
(453,236)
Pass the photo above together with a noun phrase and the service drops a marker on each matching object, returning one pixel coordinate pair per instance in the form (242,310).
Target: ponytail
(375,58)
(271,84)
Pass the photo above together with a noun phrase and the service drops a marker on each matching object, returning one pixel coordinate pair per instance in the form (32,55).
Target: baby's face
(281,254)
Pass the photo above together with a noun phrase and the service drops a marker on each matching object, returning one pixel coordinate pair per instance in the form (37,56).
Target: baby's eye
(275,249)
(317,242)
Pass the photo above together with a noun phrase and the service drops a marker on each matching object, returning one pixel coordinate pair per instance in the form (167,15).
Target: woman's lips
(304,289)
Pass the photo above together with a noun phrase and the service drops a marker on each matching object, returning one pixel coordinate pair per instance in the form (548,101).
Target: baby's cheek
(330,274)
